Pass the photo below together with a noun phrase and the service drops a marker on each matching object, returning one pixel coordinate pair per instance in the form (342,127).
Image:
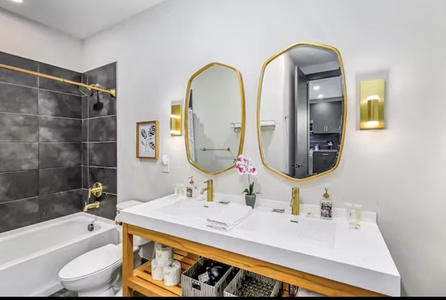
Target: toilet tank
(137,241)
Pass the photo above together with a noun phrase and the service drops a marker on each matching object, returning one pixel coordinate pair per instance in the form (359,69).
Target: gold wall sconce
(176,123)
(372,94)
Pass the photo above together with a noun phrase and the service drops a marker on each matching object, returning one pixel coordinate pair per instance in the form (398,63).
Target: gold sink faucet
(294,201)
(209,189)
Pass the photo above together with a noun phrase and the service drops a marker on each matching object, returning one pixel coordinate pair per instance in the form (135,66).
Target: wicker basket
(190,287)
(249,284)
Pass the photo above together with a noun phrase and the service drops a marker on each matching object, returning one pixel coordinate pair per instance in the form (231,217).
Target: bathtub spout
(96,204)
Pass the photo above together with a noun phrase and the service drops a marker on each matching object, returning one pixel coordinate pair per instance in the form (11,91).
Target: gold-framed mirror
(214,118)
(302,111)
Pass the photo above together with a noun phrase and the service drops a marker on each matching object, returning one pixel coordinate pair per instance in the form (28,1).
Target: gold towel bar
(210,149)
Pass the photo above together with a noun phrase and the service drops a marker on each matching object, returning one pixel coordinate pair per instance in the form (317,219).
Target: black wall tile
(60,130)
(102,129)
(59,180)
(60,204)
(19,185)
(52,155)
(21,156)
(18,214)
(105,76)
(107,208)
(18,99)
(102,154)
(18,128)
(17,77)
(60,105)
(105,176)
(59,86)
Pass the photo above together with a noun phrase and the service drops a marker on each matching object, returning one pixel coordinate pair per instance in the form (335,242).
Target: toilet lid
(92,262)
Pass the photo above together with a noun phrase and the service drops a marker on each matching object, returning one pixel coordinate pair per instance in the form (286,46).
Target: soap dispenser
(326,206)
(191,189)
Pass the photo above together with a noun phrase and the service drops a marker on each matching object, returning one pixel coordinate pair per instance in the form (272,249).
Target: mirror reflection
(214,118)
(303,95)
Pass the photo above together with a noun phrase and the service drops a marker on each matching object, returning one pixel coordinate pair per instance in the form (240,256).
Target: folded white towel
(229,217)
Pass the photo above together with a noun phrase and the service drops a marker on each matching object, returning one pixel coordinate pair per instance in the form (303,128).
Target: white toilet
(97,272)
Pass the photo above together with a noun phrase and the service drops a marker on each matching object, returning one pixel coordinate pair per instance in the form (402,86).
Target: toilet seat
(92,262)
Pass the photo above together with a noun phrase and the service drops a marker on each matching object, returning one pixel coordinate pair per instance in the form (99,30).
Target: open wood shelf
(143,282)
(142,277)
(188,252)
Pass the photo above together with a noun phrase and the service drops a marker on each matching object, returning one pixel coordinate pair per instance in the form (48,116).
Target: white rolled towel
(172,273)
(157,271)
(163,255)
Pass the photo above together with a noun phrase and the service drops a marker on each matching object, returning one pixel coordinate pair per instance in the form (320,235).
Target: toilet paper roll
(157,271)
(164,255)
(172,273)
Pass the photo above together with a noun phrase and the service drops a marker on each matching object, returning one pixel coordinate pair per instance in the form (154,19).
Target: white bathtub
(31,257)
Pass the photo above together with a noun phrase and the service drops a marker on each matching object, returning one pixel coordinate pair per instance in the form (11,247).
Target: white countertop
(356,257)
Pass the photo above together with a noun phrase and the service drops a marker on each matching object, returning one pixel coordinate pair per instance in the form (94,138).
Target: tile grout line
(38,88)
(38,143)
(38,196)
(38,115)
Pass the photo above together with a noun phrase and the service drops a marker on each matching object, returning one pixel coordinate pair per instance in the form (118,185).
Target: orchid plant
(244,166)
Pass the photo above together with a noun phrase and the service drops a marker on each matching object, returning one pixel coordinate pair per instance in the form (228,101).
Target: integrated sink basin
(283,226)
(191,209)
(294,229)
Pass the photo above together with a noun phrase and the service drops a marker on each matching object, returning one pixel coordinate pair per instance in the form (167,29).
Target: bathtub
(31,257)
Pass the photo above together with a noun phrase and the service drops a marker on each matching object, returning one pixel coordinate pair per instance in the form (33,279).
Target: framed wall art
(147,139)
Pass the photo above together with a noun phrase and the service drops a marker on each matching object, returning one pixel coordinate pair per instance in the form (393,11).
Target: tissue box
(192,287)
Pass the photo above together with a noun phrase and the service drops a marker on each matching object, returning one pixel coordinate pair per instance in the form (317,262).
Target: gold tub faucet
(96,190)
(96,204)
(295,201)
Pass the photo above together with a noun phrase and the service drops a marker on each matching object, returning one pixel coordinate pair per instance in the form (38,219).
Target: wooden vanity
(144,221)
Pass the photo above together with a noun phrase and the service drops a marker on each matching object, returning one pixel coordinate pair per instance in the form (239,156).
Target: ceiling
(78,18)
(304,56)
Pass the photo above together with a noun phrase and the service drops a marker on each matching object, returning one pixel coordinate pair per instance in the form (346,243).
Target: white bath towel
(229,217)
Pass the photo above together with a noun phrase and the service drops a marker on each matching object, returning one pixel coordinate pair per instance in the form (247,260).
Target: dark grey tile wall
(53,129)
(102,129)
(18,128)
(18,185)
(60,105)
(57,155)
(15,77)
(60,179)
(18,99)
(19,213)
(53,144)
(19,156)
(40,144)
(58,86)
(59,205)
(99,153)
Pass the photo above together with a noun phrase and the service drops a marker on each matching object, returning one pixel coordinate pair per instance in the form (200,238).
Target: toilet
(98,272)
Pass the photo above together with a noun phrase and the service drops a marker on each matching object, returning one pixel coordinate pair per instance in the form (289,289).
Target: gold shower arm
(111,92)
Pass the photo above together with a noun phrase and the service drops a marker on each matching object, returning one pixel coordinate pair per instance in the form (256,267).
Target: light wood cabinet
(187,252)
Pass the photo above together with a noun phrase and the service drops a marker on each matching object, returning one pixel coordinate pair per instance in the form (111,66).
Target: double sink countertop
(326,248)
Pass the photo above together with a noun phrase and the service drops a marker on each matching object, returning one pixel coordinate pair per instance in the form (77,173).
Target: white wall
(398,172)
(34,41)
